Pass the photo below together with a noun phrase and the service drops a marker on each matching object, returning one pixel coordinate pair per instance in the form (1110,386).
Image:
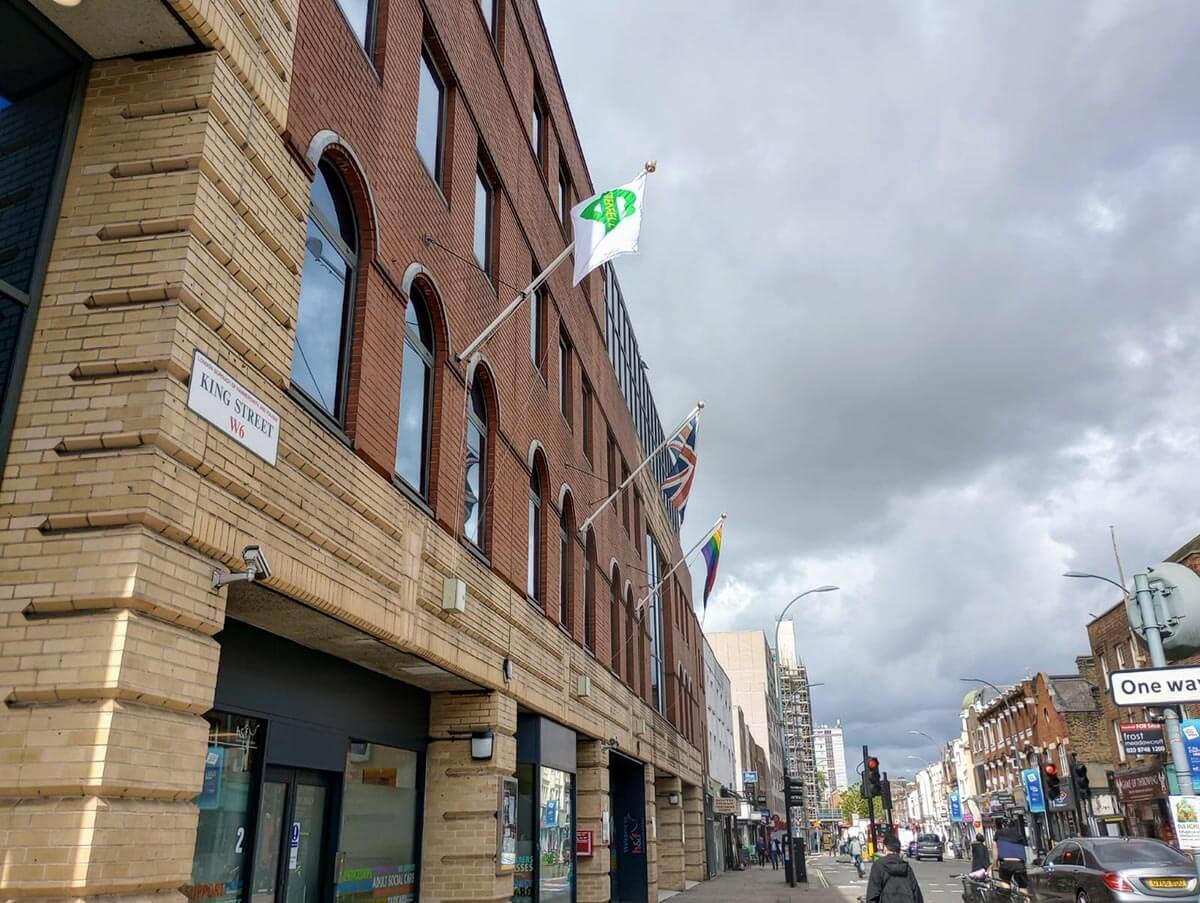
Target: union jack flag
(678,485)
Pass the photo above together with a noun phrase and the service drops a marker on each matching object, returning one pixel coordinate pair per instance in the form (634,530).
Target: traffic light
(795,792)
(872,786)
(1081,778)
(887,795)
(1050,778)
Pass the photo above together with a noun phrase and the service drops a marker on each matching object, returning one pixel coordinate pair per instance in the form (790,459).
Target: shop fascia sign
(233,409)
(1141,786)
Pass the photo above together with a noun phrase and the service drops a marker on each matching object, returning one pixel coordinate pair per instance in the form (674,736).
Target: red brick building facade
(439,678)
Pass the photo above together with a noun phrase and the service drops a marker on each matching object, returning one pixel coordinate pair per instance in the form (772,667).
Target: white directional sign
(1156,686)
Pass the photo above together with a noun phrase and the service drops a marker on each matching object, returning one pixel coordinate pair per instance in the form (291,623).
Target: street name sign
(1156,686)
(232,408)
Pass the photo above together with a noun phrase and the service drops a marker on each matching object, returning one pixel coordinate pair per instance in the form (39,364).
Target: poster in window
(506,856)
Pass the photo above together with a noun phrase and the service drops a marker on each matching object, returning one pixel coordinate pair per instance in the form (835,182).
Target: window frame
(485,450)
(587,432)
(31,301)
(492,27)
(615,619)
(565,192)
(482,179)
(535,540)
(566,567)
(337,418)
(429,357)
(566,385)
(539,120)
(425,58)
(538,353)
(370,28)
(589,592)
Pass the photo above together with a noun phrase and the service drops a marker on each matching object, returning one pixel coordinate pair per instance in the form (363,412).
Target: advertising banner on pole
(1035,800)
(955,800)
(1190,728)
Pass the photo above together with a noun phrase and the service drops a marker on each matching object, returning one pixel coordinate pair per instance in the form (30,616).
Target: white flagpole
(650,457)
(692,551)
(465,354)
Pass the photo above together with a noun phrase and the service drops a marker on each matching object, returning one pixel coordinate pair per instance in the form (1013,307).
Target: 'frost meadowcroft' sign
(1156,686)
(222,401)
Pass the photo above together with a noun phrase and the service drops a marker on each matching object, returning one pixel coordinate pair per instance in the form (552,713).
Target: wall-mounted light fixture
(673,798)
(482,744)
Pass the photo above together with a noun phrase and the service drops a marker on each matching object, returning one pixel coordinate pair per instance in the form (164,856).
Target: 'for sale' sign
(1142,738)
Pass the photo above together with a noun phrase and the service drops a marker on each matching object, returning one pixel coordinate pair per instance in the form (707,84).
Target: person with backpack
(1011,854)
(891,879)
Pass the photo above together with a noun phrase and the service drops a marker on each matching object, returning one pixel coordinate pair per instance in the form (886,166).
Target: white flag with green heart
(607,224)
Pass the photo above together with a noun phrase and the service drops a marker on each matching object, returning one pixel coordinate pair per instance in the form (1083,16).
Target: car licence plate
(1166,882)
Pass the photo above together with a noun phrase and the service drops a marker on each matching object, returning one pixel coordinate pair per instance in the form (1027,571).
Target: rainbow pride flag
(712,555)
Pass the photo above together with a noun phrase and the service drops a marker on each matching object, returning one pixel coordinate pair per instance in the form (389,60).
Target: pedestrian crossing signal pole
(868,790)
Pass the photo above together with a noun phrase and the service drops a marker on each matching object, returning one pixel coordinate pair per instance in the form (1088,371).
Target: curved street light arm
(1124,591)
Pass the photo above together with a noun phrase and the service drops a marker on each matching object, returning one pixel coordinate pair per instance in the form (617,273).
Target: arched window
(630,647)
(614,620)
(589,592)
(416,397)
(321,357)
(533,582)
(566,566)
(475,488)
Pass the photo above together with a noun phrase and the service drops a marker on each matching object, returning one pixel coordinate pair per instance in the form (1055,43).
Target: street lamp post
(828,588)
(1152,633)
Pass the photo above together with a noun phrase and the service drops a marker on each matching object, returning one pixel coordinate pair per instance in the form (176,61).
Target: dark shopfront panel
(313,780)
(545,867)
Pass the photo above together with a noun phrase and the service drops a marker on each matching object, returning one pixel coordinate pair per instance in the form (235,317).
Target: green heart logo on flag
(610,208)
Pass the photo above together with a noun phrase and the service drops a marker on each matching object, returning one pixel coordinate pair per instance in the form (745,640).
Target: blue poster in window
(210,790)
(551,813)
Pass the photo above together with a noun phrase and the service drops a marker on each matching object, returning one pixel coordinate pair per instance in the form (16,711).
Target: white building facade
(829,749)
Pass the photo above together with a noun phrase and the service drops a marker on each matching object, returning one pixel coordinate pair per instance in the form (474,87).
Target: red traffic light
(1052,770)
(872,763)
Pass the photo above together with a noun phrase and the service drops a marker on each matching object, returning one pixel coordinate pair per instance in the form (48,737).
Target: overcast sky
(934,269)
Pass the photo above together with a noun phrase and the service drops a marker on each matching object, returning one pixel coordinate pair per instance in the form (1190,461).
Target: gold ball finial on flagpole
(651,165)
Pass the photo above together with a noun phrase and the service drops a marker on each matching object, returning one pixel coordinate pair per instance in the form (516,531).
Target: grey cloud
(933,268)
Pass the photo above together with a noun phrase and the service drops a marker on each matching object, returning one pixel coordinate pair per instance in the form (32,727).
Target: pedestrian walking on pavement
(760,850)
(855,849)
(775,854)
(892,880)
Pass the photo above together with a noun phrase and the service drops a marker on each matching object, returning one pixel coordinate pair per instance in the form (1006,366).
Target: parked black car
(1114,870)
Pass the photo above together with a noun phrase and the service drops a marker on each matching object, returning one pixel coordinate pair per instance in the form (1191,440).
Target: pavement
(830,880)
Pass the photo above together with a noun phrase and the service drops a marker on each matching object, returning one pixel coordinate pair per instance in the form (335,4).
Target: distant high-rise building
(829,749)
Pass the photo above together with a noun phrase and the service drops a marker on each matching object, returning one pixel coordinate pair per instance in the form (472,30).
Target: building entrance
(627,864)
(293,831)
